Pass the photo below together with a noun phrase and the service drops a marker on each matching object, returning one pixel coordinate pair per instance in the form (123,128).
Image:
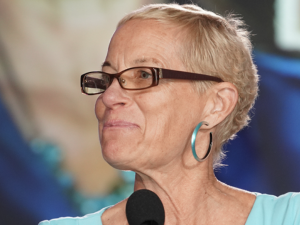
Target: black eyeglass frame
(159,73)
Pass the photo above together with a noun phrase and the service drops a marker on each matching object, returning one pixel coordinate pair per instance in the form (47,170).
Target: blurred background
(50,158)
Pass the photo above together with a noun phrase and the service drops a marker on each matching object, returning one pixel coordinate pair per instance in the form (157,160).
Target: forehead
(140,41)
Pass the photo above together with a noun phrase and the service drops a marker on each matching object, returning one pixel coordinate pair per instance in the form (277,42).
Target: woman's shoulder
(91,219)
(272,210)
(115,214)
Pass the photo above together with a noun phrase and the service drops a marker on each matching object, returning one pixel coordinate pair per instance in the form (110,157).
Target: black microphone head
(145,207)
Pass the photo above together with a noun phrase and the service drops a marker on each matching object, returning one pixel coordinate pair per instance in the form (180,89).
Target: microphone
(145,208)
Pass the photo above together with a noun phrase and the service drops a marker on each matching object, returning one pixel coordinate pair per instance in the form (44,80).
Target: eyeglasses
(136,78)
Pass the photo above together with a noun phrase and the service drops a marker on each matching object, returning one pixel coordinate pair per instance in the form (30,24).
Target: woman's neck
(190,195)
(195,196)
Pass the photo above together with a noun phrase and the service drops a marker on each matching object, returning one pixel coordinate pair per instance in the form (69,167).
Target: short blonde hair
(214,45)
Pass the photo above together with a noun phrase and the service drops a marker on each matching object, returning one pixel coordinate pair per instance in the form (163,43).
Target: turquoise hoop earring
(193,140)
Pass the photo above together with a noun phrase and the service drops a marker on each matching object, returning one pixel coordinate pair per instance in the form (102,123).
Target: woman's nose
(115,96)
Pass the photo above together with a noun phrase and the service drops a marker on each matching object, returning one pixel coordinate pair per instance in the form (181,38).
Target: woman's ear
(222,100)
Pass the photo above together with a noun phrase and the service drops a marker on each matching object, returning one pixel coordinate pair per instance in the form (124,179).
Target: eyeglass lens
(134,78)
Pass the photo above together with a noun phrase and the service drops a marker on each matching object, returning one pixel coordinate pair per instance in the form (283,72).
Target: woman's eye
(145,75)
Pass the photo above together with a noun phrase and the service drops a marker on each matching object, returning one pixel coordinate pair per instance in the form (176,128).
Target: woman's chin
(117,155)
(118,164)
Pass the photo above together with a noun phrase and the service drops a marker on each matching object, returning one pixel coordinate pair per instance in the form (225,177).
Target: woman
(184,80)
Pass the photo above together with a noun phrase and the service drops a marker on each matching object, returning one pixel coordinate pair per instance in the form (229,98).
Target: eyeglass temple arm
(172,74)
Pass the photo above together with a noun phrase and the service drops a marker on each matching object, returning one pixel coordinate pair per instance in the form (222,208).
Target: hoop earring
(193,140)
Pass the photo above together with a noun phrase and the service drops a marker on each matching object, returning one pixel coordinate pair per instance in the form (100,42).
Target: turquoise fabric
(272,210)
(267,210)
(90,219)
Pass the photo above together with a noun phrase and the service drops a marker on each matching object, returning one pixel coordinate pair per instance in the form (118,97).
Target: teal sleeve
(90,219)
(61,221)
(272,210)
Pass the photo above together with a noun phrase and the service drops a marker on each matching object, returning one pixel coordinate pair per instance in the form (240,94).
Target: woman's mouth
(116,124)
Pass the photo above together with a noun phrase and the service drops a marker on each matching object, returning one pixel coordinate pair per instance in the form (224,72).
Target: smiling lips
(118,124)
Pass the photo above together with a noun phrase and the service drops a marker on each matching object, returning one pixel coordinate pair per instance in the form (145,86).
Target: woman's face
(145,129)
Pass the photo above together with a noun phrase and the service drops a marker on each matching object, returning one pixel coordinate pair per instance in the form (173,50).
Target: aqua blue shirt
(267,210)
(272,210)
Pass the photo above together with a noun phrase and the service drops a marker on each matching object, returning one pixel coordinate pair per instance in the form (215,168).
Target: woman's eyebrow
(136,62)
(106,63)
(146,60)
